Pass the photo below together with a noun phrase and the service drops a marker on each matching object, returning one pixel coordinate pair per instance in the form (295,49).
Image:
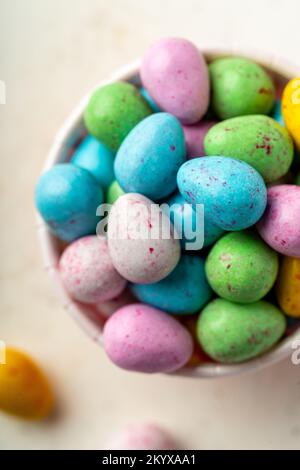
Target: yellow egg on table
(24,389)
(288,286)
(291,109)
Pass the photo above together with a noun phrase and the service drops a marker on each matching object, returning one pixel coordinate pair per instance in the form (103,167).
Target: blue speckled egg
(233,193)
(150,156)
(95,157)
(184,291)
(184,219)
(277,114)
(67,198)
(149,100)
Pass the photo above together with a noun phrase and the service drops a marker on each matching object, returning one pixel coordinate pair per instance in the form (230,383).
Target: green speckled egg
(113,110)
(230,332)
(241,267)
(114,192)
(239,87)
(257,140)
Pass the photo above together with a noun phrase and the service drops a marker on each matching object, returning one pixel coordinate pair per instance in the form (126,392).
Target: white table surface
(51,53)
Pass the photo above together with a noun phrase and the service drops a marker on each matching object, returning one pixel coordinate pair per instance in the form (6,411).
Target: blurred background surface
(51,53)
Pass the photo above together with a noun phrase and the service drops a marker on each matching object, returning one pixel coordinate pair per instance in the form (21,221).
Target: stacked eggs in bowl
(170,213)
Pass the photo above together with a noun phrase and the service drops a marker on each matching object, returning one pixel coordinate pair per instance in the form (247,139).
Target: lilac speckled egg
(144,339)
(87,271)
(194,137)
(141,239)
(175,74)
(145,436)
(280,224)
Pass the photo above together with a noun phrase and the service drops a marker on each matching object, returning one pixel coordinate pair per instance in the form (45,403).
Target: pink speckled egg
(194,137)
(280,224)
(175,74)
(144,339)
(141,240)
(87,271)
(142,437)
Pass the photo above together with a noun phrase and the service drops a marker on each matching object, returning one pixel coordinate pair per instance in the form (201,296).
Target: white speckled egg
(87,271)
(141,240)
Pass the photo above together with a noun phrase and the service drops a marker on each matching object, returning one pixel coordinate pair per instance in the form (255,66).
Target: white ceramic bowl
(91,320)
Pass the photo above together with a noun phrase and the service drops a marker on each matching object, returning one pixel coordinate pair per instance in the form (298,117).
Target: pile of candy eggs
(224,321)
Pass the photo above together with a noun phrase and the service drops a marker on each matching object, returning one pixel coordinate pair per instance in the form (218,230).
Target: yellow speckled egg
(24,390)
(291,109)
(288,286)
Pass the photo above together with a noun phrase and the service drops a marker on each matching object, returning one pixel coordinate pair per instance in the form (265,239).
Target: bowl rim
(48,242)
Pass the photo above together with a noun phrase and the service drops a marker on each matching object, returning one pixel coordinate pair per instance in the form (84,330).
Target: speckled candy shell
(288,286)
(232,333)
(144,339)
(280,225)
(149,158)
(142,257)
(113,110)
(24,389)
(67,198)
(232,192)
(257,140)
(87,271)
(175,74)
(241,267)
(183,292)
(291,109)
(239,87)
